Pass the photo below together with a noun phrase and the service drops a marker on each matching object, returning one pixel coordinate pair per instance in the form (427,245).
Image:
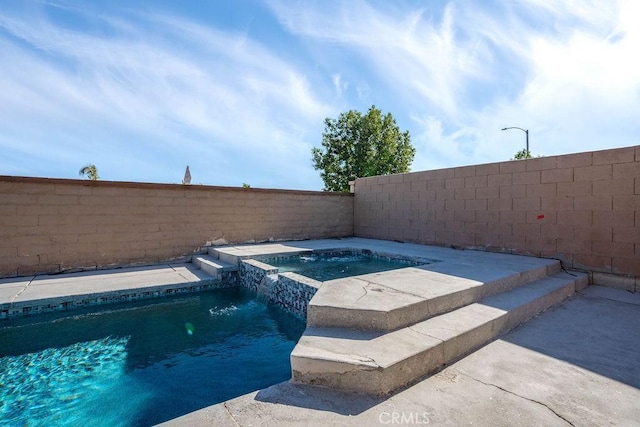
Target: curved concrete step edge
(319,315)
(382,363)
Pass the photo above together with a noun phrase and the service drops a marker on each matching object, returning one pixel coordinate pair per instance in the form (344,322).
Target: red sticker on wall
(540,216)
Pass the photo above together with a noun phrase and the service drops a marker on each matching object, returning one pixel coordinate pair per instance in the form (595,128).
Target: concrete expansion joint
(226,408)
(22,290)
(365,359)
(413,294)
(520,396)
(180,274)
(426,335)
(562,267)
(385,289)
(364,288)
(389,290)
(567,271)
(599,297)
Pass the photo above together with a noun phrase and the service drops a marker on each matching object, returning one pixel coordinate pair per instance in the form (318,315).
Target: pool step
(395,299)
(212,266)
(234,255)
(222,256)
(380,362)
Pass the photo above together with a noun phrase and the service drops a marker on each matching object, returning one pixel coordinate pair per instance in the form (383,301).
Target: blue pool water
(135,365)
(329,266)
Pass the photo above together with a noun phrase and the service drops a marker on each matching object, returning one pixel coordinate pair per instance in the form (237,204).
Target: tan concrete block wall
(50,225)
(581,208)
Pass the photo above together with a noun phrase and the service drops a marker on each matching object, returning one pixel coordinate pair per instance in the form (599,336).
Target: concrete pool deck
(575,365)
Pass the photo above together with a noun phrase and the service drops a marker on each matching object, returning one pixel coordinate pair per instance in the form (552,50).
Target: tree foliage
(523,154)
(90,171)
(356,146)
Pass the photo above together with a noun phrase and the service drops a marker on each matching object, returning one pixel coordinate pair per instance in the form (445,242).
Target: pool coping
(21,296)
(54,293)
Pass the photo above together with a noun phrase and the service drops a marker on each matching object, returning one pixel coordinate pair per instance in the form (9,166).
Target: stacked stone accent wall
(293,292)
(54,225)
(581,208)
(254,275)
(290,291)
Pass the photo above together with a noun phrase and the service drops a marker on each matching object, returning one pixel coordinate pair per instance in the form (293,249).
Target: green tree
(356,146)
(90,171)
(522,154)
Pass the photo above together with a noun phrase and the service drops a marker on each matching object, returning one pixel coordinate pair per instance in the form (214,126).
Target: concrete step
(234,255)
(212,266)
(379,362)
(395,299)
(222,256)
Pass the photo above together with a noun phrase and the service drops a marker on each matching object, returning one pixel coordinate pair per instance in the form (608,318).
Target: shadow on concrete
(592,332)
(588,330)
(596,329)
(320,399)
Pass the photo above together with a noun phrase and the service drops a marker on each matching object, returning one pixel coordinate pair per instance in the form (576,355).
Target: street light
(526,131)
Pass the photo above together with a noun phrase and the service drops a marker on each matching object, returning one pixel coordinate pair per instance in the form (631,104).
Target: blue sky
(239,90)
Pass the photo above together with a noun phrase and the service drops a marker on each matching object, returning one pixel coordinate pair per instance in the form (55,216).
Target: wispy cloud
(408,50)
(220,99)
(563,69)
(339,85)
(142,91)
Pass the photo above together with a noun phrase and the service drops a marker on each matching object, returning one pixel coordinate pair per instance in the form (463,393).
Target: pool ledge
(49,293)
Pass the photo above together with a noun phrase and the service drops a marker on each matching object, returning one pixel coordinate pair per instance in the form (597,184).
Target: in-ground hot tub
(330,265)
(291,280)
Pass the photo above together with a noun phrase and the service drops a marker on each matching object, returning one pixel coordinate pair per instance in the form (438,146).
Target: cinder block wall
(50,225)
(582,208)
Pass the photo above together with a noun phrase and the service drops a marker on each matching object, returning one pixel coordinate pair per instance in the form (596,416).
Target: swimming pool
(323,266)
(136,364)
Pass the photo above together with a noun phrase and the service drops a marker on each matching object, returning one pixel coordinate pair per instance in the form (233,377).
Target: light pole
(526,131)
